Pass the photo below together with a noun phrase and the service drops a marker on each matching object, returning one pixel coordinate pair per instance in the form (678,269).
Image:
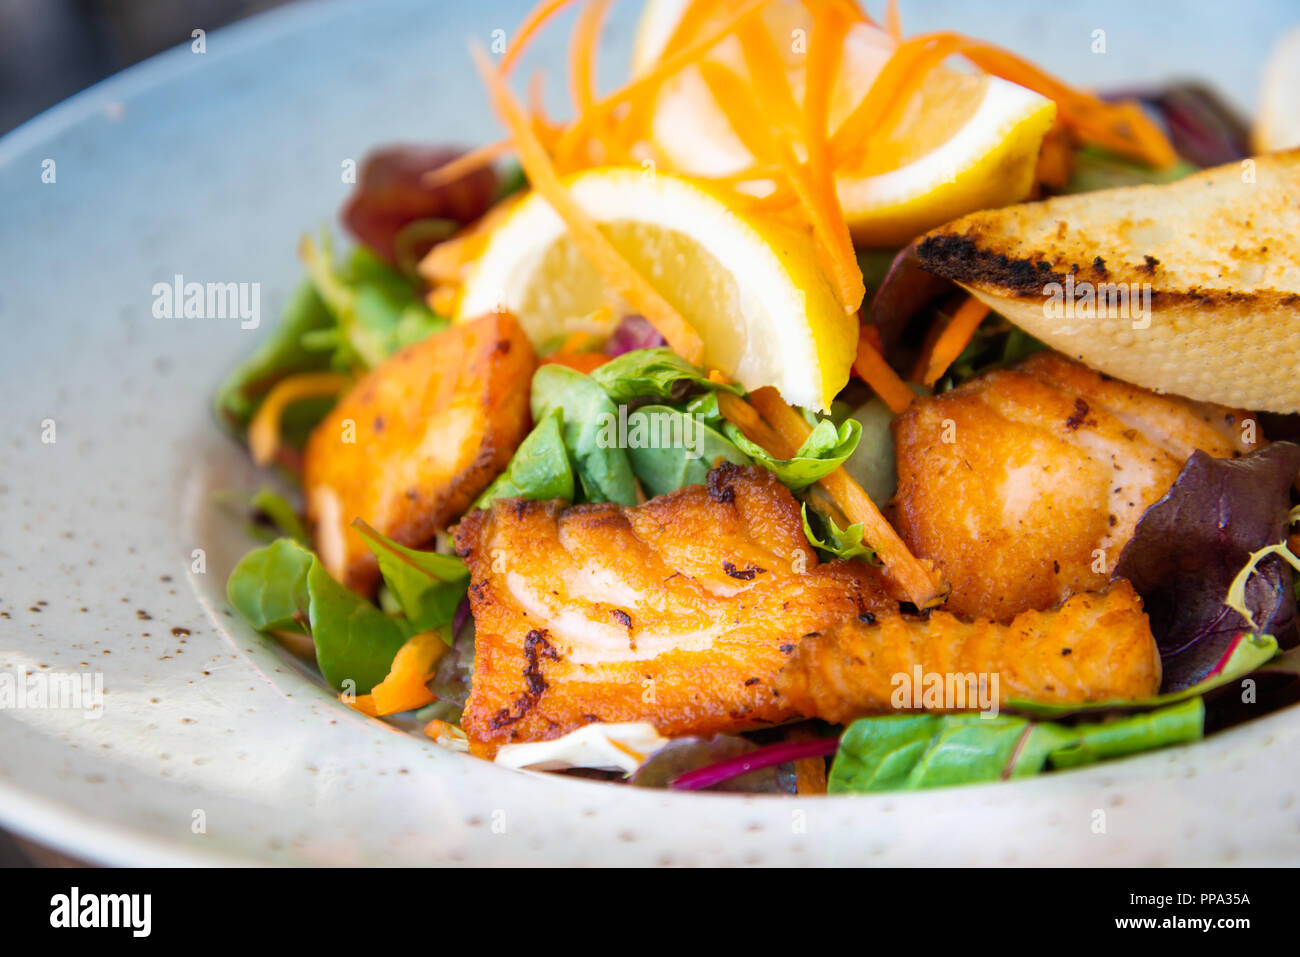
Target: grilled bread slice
(1191,288)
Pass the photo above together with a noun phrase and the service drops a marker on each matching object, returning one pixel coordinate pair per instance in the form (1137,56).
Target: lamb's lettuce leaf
(656,373)
(269,586)
(281,354)
(603,470)
(825,450)
(355,641)
(836,542)
(669,449)
(912,751)
(540,467)
(428,586)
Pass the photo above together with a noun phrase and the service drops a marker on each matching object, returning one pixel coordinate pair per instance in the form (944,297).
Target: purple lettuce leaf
(1189,546)
(631,333)
(682,755)
(906,290)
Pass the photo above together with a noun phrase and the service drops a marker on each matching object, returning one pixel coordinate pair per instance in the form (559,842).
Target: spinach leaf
(428,586)
(588,417)
(833,540)
(678,448)
(377,308)
(825,450)
(275,507)
(539,469)
(269,586)
(912,751)
(284,587)
(650,373)
(355,641)
(281,354)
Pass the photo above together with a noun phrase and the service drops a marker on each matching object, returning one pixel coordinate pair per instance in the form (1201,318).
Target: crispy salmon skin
(678,612)
(1095,647)
(412,444)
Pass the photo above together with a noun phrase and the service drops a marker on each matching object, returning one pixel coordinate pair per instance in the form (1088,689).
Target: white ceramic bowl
(215,746)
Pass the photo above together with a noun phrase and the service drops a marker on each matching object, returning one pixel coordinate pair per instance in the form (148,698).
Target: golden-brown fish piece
(1024,484)
(1095,647)
(416,440)
(678,612)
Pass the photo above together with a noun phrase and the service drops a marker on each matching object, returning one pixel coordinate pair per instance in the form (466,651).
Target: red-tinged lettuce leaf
(906,290)
(682,755)
(391,193)
(1189,546)
(632,333)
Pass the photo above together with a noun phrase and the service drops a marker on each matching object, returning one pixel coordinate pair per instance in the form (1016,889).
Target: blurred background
(50,49)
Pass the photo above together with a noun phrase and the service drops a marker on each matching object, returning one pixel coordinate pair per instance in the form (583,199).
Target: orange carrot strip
(593,243)
(643,88)
(893,22)
(466,163)
(956,336)
(582,54)
(743,416)
(872,368)
(264,429)
(922,585)
(531,24)
(406,686)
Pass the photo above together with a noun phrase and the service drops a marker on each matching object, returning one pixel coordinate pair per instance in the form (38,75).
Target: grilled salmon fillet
(412,444)
(1024,484)
(1095,647)
(678,612)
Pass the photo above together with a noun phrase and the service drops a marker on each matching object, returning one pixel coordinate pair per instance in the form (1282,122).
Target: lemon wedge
(965,141)
(751,288)
(1278,125)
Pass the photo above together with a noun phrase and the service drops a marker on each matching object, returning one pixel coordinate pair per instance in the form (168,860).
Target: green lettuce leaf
(284,587)
(269,586)
(355,641)
(825,450)
(539,469)
(604,473)
(428,586)
(650,374)
(280,354)
(833,540)
(277,508)
(913,751)
(685,460)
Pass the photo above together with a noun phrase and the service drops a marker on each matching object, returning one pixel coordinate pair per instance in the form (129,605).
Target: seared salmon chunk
(678,612)
(412,444)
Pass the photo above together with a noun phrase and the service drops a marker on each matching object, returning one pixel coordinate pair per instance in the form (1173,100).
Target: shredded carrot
(593,243)
(893,22)
(642,90)
(465,164)
(582,54)
(264,429)
(872,368)
(956,336)
(920,583)
(537,16)
(406,686)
